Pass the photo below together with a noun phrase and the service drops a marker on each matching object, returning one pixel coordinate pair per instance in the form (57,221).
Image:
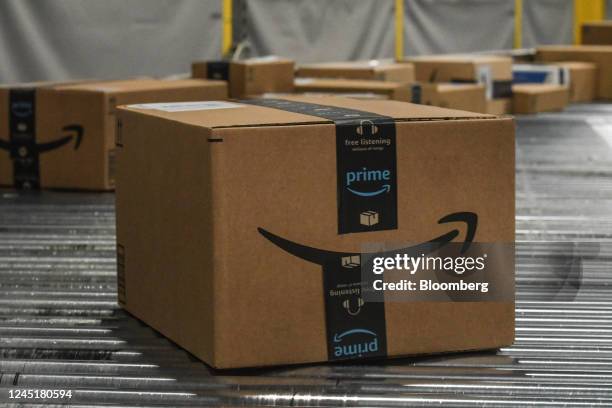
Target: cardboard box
(232,238)
(494,72)
(381,70)
(601,55)
(74,128)
(248,77)
(348,87)
(19,150)
(534,98)
(469,97)
(582,80)
(500,106)
(597,33)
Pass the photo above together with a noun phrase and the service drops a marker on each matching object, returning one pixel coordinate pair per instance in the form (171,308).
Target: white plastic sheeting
(53,40)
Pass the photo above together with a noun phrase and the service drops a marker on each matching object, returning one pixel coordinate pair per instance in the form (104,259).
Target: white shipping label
(187,106)
(485,77)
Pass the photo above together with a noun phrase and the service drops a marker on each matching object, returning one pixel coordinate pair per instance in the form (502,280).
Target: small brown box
(534,98)
(75,126)
(499,106)
(468,97)
(583,77)
(380,70)
(601,55)
(200,221)
(597,33)
(255,76)
(494,72)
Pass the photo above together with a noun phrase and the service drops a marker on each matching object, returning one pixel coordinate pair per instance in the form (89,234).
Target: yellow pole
(226,34)
(399,29)
(586,10)
(518,23)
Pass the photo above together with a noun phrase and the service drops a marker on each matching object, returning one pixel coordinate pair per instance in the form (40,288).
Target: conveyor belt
(60,327)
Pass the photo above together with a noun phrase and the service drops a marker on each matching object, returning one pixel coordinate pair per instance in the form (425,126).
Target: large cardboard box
(389,90)
(582,80)
(73,125)
(601,55)
(254,76)
(597,33)
(469,97)
(381,70)
(494,72)
(239,238)
(534,98)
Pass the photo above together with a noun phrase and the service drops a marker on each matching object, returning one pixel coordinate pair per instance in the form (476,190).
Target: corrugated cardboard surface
(597,54)
(583,77)
(392,90)
(597,33)
(193,187)
(469,97)
(92,106)
(446,68)
(534,98)
(372,70)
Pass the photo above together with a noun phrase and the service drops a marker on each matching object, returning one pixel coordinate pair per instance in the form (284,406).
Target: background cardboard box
(19,159)
(85,113)
(583,78)
(253,76)
(597,33)
(193,262)
(372,70)
(601,55)
(494,72)
(468,97)
(534,98)
(389,90)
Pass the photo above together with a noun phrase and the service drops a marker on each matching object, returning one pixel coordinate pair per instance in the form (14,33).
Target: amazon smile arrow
(322,256)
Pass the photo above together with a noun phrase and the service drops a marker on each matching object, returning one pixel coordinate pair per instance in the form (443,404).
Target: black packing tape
(22,138)
(217,70)
(367,201)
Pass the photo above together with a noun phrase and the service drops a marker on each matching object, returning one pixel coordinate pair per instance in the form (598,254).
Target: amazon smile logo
(367,343)
(367,176)
(325,257)
(71,132)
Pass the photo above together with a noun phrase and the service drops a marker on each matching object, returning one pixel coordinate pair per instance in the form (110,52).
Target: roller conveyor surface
(60,327)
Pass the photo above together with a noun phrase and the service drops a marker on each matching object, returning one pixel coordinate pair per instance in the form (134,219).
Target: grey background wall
(62,39)
(547,22)
(67,39)
(436,26)
(315,30)
(609,8)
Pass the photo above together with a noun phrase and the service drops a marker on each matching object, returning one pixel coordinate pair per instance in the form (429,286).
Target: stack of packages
(63,135)
(478,83)
(596,59)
